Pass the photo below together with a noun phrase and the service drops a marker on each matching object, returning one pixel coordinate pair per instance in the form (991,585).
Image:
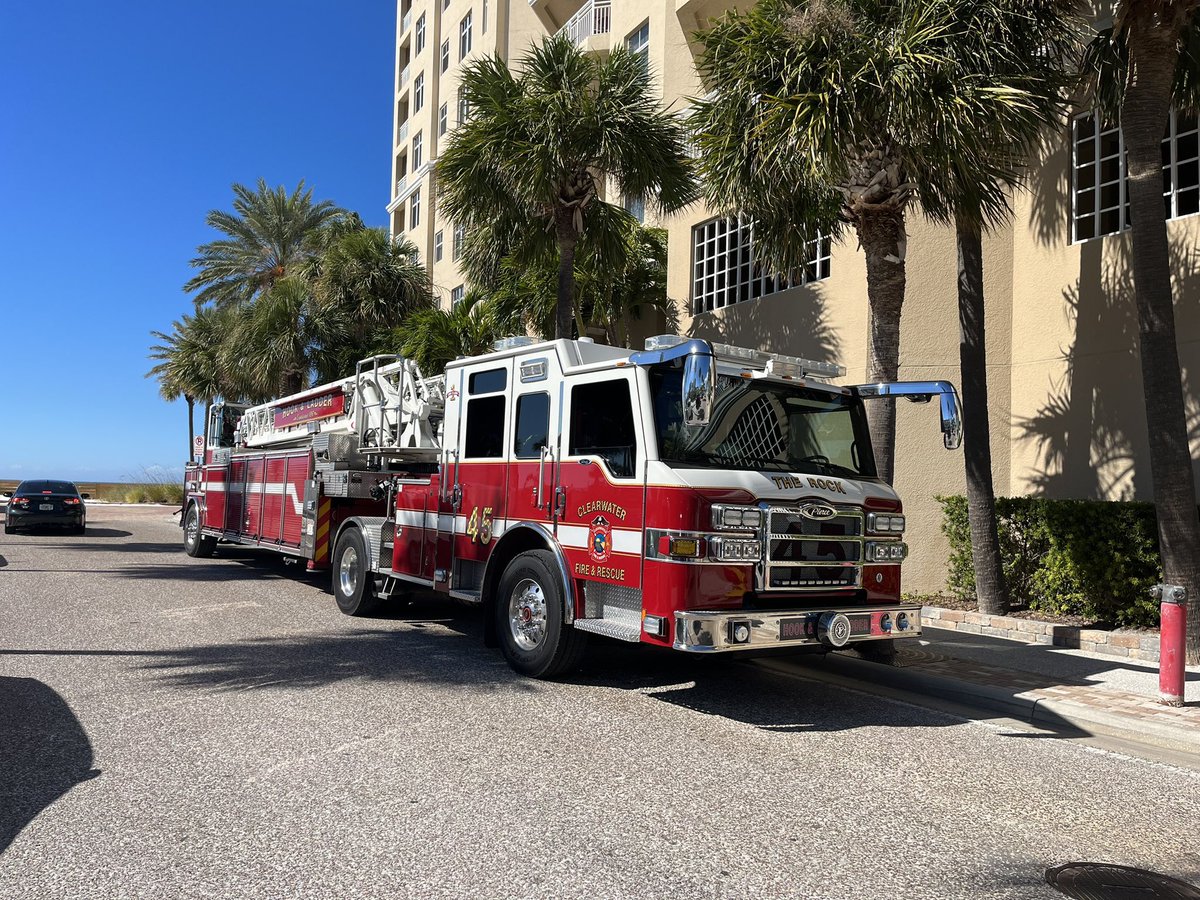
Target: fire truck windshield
(760,424)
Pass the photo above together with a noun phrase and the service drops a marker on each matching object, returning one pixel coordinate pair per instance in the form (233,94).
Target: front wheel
(353,583)
(195,542)
(534,637)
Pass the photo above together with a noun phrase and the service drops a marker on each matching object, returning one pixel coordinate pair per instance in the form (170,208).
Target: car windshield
(759,424)
(46,487)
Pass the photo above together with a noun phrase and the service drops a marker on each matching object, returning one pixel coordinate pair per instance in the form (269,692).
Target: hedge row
(1089,558)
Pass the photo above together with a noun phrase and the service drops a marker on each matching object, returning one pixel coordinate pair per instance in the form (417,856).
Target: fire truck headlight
(736,516)
(735,550)
(885,551)
(878,523)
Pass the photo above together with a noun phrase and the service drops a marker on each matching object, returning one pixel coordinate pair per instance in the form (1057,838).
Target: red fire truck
(693,495)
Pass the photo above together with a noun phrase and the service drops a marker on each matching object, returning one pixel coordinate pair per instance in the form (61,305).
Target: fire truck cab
(693,496)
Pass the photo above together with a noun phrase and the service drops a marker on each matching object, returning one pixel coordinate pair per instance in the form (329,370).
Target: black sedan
(36,503)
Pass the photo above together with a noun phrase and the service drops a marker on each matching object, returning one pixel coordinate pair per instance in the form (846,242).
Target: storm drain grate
(1102,881)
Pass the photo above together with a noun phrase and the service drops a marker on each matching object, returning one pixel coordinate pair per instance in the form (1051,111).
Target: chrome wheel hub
(192,530)
(348,572)
(527,614)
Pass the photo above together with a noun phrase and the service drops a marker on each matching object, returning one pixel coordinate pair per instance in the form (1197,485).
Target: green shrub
(137,495)
(1088,558)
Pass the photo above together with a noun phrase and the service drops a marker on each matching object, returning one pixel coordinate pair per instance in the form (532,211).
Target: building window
(638,43)
(460,236)
(483,23)
(1099,174)
(456,295)
(437,247)
(445,5)
(464,36)
(443,118)
(420,35)
(636,207)
(417,150)
(464,108)
(445,54)
(418,92)
(725,269)
(414,209)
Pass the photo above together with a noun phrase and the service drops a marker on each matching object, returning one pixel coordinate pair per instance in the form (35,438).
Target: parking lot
(216,728)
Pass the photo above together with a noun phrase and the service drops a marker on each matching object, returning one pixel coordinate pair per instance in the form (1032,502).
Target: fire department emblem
(599,539)
(452,394)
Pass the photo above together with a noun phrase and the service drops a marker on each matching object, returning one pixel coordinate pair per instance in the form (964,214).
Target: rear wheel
(534,637)
(9,529)
(195,542)
(353,583)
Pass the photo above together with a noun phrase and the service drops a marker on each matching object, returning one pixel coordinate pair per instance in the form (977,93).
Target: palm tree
(809,126)
(523,173)
(861,108)
(605,297)
(1146,61)
(434,336)
(370,285)
(189,362)
(269,235)
(1011,65)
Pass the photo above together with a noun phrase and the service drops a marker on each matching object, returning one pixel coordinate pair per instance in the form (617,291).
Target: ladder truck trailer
(692,495)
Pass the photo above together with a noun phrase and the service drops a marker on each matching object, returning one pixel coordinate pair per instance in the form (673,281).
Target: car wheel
(80,529)
(528,608)
(353,582)
(195,542)
(9,529)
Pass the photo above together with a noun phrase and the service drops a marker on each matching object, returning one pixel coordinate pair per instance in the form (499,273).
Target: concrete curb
(1139,645)
(1052,714)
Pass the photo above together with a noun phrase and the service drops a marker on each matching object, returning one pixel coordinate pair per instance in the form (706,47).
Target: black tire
(353,584)
(80,529)
(529,618)
(8,529)
(195,542)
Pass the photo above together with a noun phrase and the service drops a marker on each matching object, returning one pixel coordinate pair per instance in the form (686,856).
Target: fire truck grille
(789,523)
(815,551)
(790,578)
(813,554)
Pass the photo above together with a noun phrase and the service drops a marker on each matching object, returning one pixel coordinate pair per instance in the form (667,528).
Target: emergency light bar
(772,363)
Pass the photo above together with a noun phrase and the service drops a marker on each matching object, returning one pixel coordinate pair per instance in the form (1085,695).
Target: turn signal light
(885,551)
(681,547)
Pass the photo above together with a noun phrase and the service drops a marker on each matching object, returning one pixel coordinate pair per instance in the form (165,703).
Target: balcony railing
(402,133)
(406,22)
(594,17)
(400,183)
(404,73)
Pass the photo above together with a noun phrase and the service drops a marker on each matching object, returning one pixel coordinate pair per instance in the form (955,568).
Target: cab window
(485,428)
(533,425)
(602,425)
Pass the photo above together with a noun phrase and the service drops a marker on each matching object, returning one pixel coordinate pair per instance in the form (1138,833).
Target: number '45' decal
(479,527)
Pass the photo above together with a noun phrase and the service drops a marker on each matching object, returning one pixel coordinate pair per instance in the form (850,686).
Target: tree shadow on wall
(1091,430)
(792,322)
(44,752)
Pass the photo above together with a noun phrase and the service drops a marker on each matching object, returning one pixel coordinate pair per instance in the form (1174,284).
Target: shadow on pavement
(44,752)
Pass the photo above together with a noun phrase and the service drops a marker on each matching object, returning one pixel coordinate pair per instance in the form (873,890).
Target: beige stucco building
(1066,407)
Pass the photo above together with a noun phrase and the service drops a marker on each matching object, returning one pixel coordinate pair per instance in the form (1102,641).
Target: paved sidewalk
(1051,687)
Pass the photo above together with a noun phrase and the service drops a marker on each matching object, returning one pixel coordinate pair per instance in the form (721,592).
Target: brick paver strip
(1081,693)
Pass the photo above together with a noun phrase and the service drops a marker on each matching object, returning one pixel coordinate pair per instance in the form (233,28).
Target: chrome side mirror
(699,389)
(922,392)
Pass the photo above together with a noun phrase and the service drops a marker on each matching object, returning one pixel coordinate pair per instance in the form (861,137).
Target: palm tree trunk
(881,234)
(1153,53)
(564,310)
(990,589)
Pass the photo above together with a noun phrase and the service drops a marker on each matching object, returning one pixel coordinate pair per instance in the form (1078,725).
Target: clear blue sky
(121,125)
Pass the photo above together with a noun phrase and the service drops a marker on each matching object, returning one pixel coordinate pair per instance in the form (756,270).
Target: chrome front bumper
(716,632)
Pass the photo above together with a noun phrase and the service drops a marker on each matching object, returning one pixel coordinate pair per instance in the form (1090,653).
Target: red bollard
(1172,628)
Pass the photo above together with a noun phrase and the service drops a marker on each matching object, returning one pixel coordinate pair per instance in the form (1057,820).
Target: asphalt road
(179,728)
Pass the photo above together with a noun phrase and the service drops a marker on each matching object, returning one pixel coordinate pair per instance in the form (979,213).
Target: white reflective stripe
(574,536)
(626,541)
(578,537)
(236,487)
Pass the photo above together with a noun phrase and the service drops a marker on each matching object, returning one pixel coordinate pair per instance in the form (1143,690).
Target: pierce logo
(599,539)
(818,511)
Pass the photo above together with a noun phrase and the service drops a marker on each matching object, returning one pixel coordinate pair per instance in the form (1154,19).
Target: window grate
(726,270)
